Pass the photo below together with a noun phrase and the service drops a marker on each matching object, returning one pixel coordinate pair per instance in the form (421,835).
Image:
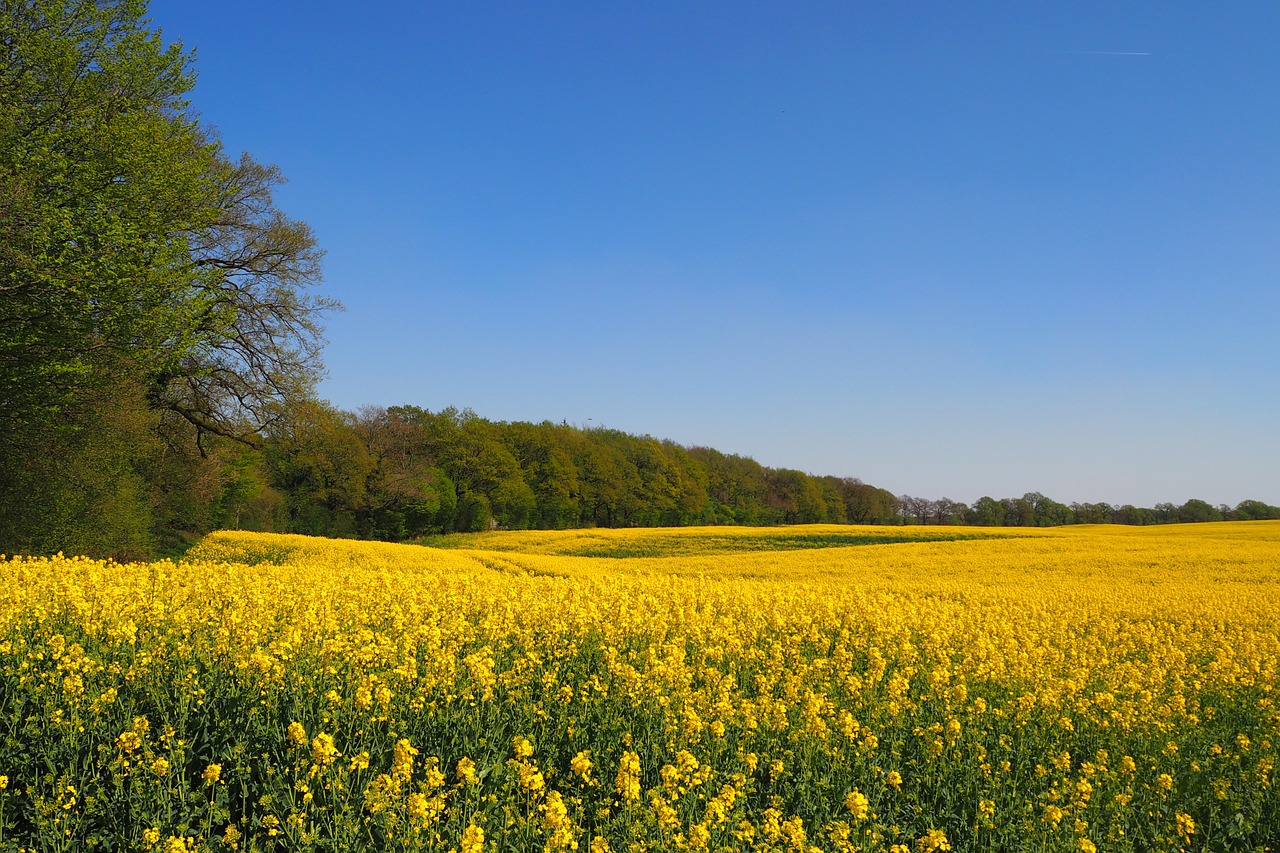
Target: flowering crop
(795,689)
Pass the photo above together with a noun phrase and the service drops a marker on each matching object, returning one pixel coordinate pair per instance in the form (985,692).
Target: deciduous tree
(135,256)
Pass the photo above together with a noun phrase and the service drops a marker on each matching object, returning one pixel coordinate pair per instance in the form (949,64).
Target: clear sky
(954,249)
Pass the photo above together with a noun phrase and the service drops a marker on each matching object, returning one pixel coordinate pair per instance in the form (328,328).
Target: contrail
(1106,52)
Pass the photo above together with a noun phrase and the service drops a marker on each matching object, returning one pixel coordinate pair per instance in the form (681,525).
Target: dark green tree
(407,494)
(318,461)
(865,504)
(833,500)
(1130,514)
(548,470)
(1196,510)
(986,512)
(736,486)
(946,511)
(1046,512)
(1255,510)
(793,497)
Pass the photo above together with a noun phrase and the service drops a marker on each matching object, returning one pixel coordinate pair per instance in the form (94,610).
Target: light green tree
(137,262)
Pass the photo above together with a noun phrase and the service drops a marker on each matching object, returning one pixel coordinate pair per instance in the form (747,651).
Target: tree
(1130,514)
(317,459)
(99,166)
(987,512)
(254,336)
(82,489)
(1254,509)
(833,500)
(607,481)
(1087,513)
(1018,512)
(1196,510)
(406,494)
(691,480)
(736,486)
(793,497)
(549,472)
(918,508)
(947,511)
(1046,512)
(866,504)
(135,258)
(246,500)
(659,489)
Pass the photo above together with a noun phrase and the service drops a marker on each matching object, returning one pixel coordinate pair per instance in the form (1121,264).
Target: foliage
(137,260)
(407,473)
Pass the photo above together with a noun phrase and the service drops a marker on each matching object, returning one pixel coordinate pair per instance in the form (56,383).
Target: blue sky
(953,249)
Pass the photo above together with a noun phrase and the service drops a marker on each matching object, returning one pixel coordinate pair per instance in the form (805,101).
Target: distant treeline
(406,472)
(1035,510)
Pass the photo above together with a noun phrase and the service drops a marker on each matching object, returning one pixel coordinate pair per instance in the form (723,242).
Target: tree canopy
(142,270)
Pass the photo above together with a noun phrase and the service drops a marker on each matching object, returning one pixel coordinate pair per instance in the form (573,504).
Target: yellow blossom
(627,783)
(323,750)
(1109,660)
(933,840)
(856,803)
(402,760)
(472,839)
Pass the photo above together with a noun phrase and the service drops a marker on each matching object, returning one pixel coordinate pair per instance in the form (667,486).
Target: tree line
(160,344)
(405,472)
(1035,510)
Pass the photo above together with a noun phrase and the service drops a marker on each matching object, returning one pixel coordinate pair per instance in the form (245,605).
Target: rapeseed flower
(402,761)
(748,680)
(472,839)
(933,840)
(856,802)
(323,750)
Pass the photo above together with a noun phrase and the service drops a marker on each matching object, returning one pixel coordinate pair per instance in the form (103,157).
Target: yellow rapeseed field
(787,689)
